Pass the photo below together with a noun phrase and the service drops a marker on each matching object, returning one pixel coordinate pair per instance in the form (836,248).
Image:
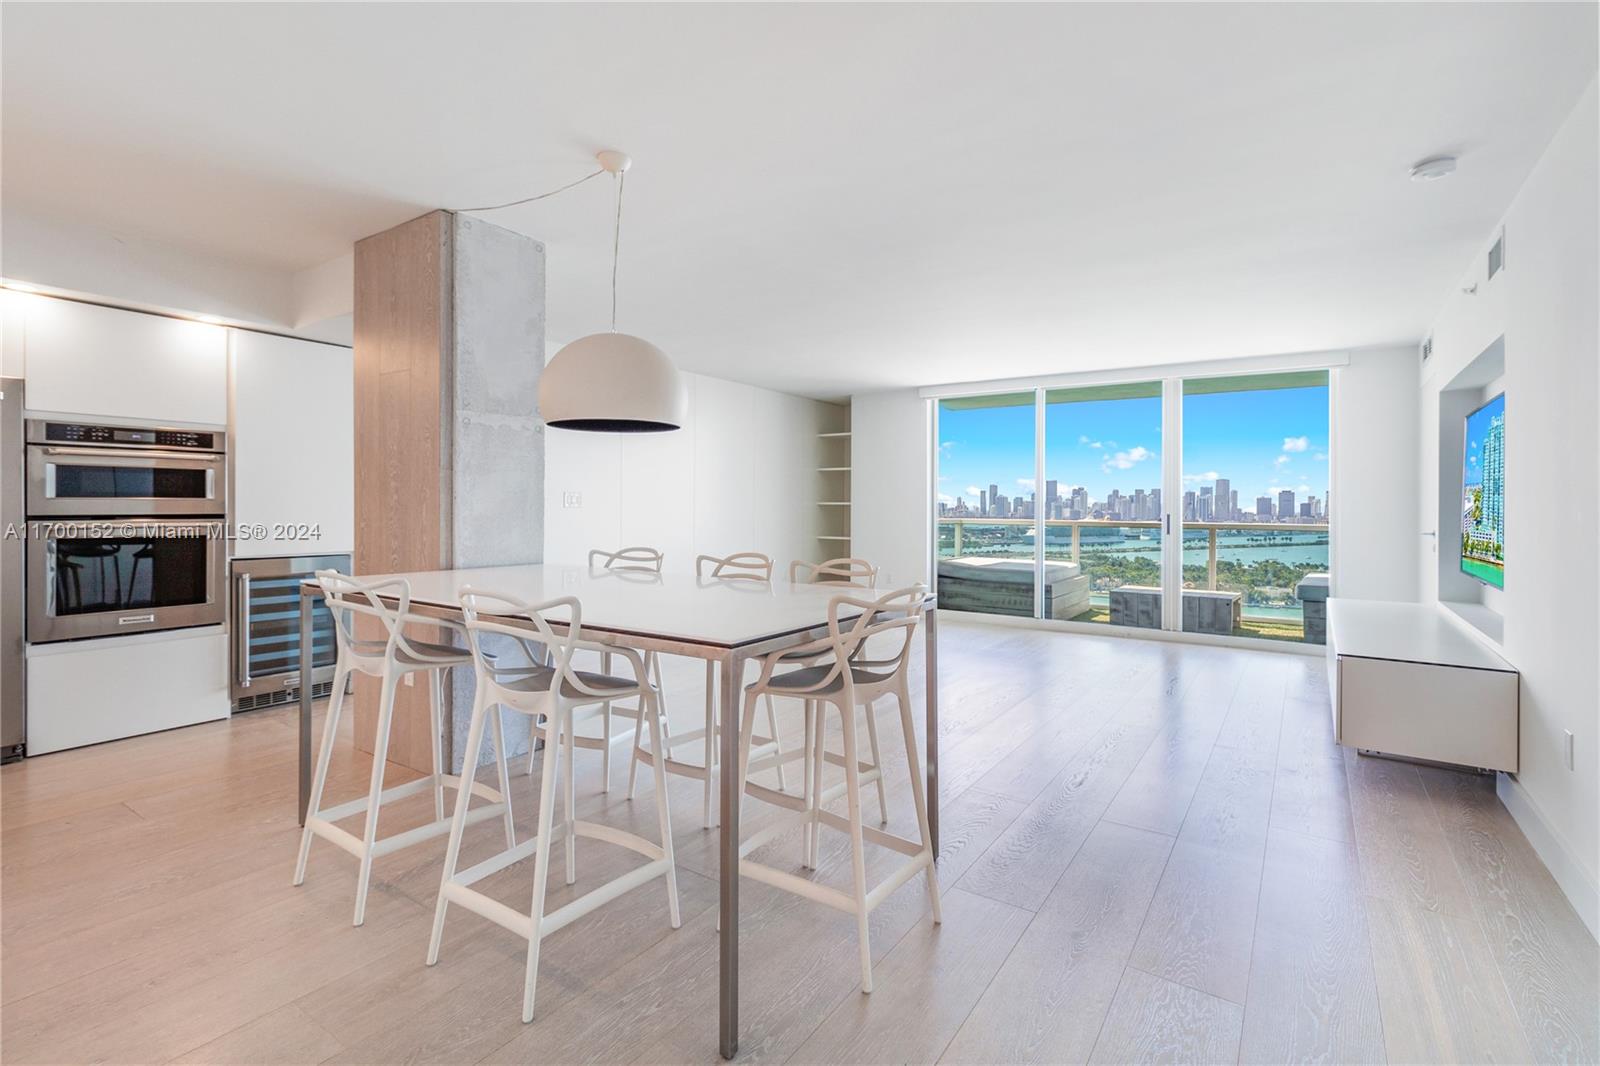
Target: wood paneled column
(449,345)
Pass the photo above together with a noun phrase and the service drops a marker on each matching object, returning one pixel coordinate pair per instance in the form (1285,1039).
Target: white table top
(1406,632)
(669,606)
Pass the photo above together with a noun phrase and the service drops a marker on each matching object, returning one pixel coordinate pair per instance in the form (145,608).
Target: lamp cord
(616,233)
(531,199)
(616,246)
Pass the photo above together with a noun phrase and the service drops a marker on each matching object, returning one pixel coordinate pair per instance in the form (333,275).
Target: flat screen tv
(1483,495)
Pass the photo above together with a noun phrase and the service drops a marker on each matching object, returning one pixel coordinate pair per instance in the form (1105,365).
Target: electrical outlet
(1567,749)
(572,499)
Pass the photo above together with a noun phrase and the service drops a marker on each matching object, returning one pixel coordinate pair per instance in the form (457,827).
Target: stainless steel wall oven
(125,529)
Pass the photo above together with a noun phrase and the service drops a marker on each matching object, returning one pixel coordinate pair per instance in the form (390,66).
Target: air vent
(278,697)
(1497,256)
(1427,348)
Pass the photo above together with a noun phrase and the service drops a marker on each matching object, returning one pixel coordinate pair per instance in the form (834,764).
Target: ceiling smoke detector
(1433,169)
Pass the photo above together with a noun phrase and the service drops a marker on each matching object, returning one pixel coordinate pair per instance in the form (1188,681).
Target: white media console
(1406,680)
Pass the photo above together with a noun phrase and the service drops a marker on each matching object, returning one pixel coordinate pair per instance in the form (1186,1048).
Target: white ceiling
(833,198)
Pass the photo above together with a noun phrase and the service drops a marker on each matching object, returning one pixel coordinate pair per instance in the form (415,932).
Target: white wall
(1545,305)
(890,488)
(1375,434)
(741,475)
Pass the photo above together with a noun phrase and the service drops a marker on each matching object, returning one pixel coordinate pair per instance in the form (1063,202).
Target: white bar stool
(861,574)
(563,697)
(840,677)
(747,570)
(624,561)
(393,659)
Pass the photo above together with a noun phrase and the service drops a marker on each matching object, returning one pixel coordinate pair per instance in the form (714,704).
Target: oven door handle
(241,636)
(105,454)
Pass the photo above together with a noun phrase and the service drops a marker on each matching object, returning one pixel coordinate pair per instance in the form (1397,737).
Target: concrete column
(449,345)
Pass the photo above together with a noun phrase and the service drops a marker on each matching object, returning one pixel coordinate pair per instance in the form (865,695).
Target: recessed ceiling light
(1433,169)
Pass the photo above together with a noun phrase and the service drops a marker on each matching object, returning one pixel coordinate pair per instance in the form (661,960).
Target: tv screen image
(1483,495)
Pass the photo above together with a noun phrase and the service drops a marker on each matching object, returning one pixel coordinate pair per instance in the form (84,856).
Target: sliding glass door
(1063,503)
(1103,505)
(1255,504)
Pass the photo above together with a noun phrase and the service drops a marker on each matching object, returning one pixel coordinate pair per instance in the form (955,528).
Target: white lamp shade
(612,383)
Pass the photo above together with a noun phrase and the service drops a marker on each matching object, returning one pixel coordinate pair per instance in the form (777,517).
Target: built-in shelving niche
(833,484)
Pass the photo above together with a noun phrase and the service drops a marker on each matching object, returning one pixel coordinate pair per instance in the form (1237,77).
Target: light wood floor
(1151,852)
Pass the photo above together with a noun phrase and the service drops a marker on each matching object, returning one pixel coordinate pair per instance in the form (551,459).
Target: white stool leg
(380,755)
(877,761)
(819,762)
(858,860)
(569,798)
(635,752)
(541,852)
(903,698)
(649,707)
(436,720)
(330,732)
(777,741)
(805,783)
(605,731)
(469,774)
(710,741)
(458,823)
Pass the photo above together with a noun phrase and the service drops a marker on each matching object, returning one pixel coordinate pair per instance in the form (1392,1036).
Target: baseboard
(1101,629)
(1571,877)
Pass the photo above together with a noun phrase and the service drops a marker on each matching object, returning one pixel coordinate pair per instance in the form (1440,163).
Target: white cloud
(1305,488)
(1082,439)
(973,490)
(1281,460)
(1296,444)
(1320,457)
(1025,482)
(1209,475)
(948,501)
(1126,460)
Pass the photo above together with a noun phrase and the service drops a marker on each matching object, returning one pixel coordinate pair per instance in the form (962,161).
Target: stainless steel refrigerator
(13,601)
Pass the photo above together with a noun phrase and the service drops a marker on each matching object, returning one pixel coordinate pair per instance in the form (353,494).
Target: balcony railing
(1261,562)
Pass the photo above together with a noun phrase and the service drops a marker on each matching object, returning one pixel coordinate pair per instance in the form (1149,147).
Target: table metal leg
(306,605)
(930,633)
(729,673)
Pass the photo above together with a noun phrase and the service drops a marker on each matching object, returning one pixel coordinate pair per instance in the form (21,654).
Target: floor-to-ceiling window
(988,462)
(1255,503)
(1062,503)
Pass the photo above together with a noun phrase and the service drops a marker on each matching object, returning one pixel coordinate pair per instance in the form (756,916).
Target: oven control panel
(130,436)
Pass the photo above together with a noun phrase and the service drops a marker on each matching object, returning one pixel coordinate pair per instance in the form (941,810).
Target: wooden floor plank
(1404,854)
(936,973)
(1153,1020)
(1439,990)
(1048,1001)
(1312,996)
(1545,953)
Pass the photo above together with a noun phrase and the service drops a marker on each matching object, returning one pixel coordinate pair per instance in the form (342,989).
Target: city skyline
(1259,442)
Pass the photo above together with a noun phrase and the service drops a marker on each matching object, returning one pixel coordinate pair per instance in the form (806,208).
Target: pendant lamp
(608,382)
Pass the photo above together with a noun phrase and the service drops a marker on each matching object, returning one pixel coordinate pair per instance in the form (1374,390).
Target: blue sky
(1262,441)
(1477,429)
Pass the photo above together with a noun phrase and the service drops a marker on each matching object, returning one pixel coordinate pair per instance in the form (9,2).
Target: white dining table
(723,621)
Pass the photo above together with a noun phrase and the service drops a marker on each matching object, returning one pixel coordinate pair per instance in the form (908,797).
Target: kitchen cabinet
(88,691)
(292,447)
(82,359)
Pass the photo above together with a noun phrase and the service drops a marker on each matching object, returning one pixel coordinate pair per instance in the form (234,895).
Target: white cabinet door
(293,448)
(88,691)
(102,362)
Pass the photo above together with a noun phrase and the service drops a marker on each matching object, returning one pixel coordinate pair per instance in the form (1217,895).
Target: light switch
(572,499)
